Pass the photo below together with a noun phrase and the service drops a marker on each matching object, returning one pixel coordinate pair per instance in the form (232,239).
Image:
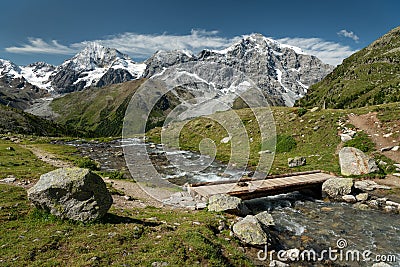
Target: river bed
(301,222)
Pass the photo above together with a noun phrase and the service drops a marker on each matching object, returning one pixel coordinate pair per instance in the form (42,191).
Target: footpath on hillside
(133,196)
(383,137)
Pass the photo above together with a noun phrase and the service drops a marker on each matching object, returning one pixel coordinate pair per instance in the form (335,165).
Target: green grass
(314,133)
(139,237)
(362,142)
(21,162)
(285,143)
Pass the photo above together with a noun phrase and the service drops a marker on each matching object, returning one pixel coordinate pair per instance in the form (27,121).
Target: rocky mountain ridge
(282,72)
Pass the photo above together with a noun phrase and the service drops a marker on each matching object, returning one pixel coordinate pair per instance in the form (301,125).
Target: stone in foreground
(354,162)
(250,231)
(72,193)
(265,218)
(337,187)
(227,203)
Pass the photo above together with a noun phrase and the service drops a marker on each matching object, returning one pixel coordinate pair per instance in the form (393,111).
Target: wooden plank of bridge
(265,187)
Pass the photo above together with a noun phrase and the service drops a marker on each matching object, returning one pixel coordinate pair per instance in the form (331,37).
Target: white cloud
(37,45)
(329,52)
(144,45)
(348,34)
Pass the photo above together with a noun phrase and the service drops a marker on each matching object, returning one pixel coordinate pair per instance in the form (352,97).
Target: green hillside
(17,121)
(369,77)
(100,112)
(96,111)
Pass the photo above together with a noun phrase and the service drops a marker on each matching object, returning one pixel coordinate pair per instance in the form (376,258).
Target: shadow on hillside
(116,219)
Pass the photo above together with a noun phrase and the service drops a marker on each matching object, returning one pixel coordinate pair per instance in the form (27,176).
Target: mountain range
(282,72)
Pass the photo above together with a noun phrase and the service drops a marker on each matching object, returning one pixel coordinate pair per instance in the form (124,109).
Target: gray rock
(349,198)
(392,203)
(275,263)
(373,203)
(297,161)
(362,197)
(361,206)
(337,187)
(381,201)
(354,162)
(227,203)
(381,264)
(368,185)
(9,179)
(395,148)
(388,148)
(10,148)
(382,163)
(265,218)
(159,264)
(345,137)
(389,209)
(250,231)
(71,193)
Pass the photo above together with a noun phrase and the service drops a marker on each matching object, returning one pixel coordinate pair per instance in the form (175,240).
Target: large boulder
(71,193)
(250,231)
(354,162)
(227,203)
(337,187)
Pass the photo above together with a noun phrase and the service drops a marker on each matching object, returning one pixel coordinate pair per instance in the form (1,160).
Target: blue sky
(52,31)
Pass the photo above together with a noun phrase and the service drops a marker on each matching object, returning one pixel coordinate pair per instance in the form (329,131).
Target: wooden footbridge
(272,185)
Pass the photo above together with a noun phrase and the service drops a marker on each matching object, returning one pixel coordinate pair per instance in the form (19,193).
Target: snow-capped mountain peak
(93,56)
(38,74)
(9,69)
(96,65)
(260,43)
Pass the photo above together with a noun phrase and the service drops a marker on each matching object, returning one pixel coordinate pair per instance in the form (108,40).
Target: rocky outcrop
(71,193)
(250,231)
(336,188)
(113,76)
(227,203)
(164,59)
(354,162)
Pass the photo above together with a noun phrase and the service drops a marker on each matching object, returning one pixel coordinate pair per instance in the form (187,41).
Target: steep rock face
(282,72)
(113,76)
(164,59)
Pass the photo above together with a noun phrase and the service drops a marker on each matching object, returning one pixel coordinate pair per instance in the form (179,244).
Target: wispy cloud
(141,46)
(39,46)
(329,52)
(348,34)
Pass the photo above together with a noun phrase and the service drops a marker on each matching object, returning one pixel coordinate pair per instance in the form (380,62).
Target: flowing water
(301,222)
